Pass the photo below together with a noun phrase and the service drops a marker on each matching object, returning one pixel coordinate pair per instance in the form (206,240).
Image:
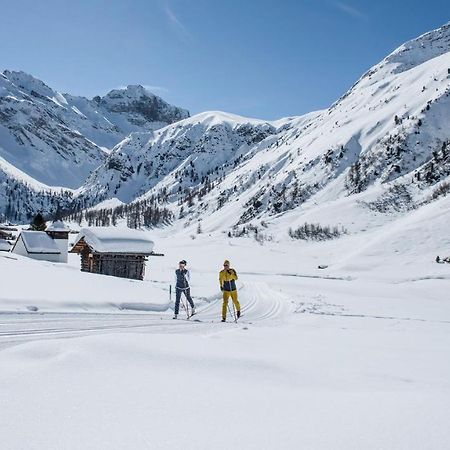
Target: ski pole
(231,315)
(234,313)
(185,307)
(182,305)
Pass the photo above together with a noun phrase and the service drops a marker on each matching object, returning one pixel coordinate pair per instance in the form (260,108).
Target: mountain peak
(421,49)
(23,80)
(131,91)
(139,100)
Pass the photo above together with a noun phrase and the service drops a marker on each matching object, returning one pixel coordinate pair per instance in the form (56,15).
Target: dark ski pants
(187,294)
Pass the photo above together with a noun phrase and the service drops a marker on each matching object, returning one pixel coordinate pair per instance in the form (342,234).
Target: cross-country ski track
(315,362)
(261,306)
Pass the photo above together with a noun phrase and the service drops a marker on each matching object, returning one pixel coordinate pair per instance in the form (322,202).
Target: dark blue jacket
(182,278)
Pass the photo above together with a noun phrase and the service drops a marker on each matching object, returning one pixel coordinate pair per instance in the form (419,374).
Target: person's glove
(229,271)
(221,288)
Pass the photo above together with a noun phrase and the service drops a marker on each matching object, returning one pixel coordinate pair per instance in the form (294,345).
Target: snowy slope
(51,139)
(56,138)
(36,139)
(390,127)
(111,118)
(351,357)
(181,155)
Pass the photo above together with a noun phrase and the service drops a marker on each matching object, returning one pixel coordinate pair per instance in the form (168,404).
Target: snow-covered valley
(333,221)
(351,356)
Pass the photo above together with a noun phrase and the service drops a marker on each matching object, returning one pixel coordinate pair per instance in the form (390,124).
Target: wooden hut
(113,251)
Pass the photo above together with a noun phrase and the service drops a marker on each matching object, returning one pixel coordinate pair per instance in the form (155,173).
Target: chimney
(59,232)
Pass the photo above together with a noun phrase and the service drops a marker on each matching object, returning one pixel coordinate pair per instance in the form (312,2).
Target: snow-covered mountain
(108,120)
(390,128)
(58,139)
(183,155)
(387,137)
(36,136)
(53,139)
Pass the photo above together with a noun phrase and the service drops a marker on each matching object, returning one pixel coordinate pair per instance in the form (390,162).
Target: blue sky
(259,58)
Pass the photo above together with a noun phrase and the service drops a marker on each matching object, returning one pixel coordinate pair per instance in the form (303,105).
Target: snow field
(342,358)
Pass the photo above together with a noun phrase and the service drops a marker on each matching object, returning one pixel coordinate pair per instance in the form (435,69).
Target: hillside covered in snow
(386,139)
(51,142)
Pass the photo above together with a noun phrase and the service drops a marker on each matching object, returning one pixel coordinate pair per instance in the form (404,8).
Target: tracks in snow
(260,305)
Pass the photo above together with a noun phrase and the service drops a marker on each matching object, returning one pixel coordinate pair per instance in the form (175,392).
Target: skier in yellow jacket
(227,280)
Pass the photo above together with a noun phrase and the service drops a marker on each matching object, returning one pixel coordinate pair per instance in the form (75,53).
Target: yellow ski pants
(234,297)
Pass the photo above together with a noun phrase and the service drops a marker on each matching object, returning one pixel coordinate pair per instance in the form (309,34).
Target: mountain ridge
(389,127)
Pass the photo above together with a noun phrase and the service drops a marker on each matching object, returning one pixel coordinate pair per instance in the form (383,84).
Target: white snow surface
(349,357)
(116,240)
(5,246)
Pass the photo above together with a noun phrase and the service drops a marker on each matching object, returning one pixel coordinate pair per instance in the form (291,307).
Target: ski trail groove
(261,305)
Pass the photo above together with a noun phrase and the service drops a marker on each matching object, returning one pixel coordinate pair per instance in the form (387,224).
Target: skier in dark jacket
(182,277)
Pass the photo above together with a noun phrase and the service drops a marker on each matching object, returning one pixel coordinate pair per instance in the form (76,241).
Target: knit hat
(183,261)
(226,262)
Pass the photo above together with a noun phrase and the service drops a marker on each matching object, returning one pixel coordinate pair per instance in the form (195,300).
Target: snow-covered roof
(5,246)
(116,240)
(38,242)
(58,225)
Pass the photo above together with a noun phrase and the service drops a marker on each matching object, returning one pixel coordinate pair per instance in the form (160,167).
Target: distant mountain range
(390,130)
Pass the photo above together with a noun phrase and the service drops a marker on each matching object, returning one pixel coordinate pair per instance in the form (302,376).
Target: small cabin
(49,245)
(113,251)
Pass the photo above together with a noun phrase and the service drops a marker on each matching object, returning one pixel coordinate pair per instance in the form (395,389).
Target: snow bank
(318,384)
(60,287)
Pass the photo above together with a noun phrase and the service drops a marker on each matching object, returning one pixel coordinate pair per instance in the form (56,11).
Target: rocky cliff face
(142,107)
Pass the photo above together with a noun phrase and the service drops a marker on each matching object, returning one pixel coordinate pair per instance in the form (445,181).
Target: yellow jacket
(227,280)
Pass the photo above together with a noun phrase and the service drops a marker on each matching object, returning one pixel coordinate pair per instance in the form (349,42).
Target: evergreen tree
(38,223)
